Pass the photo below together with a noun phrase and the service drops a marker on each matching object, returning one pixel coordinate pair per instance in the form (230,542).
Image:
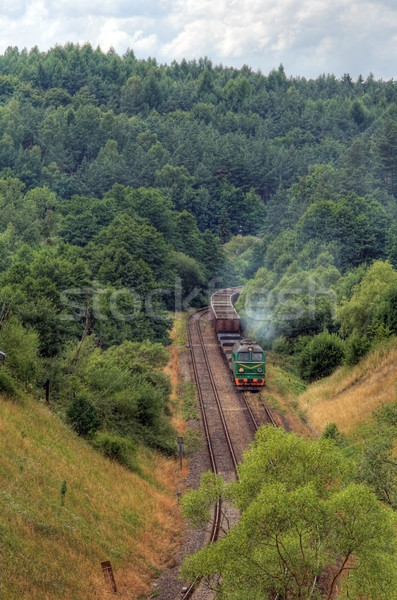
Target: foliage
(8,385)
(368,300)
(377,467)
(356,348)
(83,416)
(108,510)
(376,454)
(321,356)
(128,388)
(121,178)
(357,226)
(22,348)
(293,539)
(117,448)
(119,181)
(331,432)
(299,302)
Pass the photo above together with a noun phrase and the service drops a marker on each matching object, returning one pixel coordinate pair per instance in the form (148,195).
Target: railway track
(223,459)
(220,446)
(258,410)
(230,418)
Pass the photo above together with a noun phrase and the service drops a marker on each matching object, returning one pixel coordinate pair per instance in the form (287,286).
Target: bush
(321,356)
(282,345)
(117,448)
(22,348)
(331,432)
(82,415)
(356,347)
(7,384)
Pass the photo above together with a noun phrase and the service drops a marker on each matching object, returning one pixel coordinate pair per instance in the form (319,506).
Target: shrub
(117,448)
(356,347)
(7,384)
(282,345)
(82,415)
(321,356)
(331,432)
(22,348)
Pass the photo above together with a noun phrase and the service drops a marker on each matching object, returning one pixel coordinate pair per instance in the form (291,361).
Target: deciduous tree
(305,528)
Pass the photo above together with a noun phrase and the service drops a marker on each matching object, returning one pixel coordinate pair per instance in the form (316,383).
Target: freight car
(246,358)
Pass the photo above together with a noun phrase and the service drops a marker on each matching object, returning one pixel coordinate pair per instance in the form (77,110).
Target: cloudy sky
(309,37)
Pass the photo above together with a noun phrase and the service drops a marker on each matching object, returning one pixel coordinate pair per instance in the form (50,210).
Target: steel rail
(269,414)
(251,413)
(218,400)
(188,593)
(217,512)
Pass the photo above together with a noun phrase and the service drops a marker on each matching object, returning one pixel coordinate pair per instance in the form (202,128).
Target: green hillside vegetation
(65,509)
(129,190)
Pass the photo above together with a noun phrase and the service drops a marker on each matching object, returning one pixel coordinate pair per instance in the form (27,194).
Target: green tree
(105,170)
(224,226)
(356,225)
(378,467)
(191,276)
(22,348)
(83,416)
(304,530)
(358,312)
(132,96)
(387,148)
(150,204)
(320,357)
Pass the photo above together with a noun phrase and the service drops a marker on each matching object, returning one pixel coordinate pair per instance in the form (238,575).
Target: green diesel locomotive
(248,365)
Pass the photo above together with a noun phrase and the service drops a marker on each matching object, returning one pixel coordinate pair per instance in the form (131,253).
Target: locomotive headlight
(260,370)
(241,370)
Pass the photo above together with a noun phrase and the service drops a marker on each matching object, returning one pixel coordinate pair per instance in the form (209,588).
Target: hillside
(129,191)
(54,537)
(350,395)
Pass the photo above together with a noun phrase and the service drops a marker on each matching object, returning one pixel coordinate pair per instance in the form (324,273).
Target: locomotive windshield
(243,356)
(257,356)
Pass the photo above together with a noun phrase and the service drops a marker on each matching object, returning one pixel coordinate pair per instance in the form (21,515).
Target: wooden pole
(108,574)
(46,386)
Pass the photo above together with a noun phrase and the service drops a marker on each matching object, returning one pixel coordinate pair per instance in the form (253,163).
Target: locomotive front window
(257,356)
(243,356)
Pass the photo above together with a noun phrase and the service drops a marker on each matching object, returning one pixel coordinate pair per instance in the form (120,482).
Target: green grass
(272,402)
(187,394)
(180,325)
(193,441)
(287,381)
(65,508)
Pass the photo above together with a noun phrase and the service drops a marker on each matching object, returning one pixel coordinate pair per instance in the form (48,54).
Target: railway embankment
(65,509)
(350,395)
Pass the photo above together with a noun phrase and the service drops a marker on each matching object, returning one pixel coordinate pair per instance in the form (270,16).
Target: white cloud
(309,36)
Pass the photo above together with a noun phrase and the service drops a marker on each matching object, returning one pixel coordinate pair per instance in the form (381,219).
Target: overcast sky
(309,37)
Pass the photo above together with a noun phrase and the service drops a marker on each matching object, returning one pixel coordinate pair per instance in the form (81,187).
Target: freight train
(245,357)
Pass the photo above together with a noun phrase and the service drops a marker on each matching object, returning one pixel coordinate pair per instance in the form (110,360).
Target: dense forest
(128,189)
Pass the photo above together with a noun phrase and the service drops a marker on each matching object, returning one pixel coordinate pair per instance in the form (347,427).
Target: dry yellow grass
(51,551)
(352,393)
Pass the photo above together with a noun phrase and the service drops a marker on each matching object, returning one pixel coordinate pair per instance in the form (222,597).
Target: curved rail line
(194,323)
(214,467)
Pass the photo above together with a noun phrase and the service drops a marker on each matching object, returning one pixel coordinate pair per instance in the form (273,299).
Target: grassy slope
(52,551)
(350,395)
